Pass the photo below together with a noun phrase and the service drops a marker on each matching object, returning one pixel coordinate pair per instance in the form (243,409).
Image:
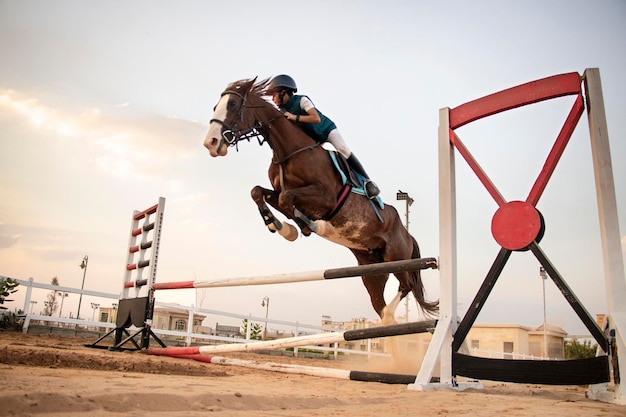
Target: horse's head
(231,120)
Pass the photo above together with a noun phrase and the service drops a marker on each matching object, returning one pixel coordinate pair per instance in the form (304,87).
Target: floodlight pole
(265,303)
(400,195)
(83,266)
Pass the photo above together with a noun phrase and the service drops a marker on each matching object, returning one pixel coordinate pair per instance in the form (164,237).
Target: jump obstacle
(201,353)
(136,305)
(312,339)
(319,371)
(516,226)
(321,274)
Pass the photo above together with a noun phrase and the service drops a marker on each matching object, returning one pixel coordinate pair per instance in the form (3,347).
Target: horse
(307,189)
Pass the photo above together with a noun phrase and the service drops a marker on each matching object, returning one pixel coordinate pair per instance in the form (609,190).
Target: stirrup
(371,189)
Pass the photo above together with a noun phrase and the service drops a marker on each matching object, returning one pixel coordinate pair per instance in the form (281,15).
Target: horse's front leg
(262,195)
(300,203)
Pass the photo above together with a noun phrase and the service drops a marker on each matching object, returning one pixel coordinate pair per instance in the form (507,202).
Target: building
(504,341)
(513,341)
(164,319)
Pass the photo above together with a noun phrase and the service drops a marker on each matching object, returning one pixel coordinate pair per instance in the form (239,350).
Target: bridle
(230,135)
(260,130)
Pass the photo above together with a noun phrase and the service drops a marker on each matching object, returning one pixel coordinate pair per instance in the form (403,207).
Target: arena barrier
(313,339)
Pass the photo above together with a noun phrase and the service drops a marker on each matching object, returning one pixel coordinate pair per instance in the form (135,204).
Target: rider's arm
(312,115)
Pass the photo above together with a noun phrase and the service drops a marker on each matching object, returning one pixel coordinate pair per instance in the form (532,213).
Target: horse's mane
(258,87)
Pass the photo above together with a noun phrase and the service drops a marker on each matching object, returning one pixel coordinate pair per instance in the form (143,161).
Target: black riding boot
(371,189)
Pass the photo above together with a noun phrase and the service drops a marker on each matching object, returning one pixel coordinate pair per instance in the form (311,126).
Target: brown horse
(306,187)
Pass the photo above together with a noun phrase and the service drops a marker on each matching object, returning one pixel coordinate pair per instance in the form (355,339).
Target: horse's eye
(231,104)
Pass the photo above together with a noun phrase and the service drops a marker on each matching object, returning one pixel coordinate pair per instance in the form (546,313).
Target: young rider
(300,108)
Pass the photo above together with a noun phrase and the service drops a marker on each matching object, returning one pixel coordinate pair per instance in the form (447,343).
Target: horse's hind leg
(375,285)
(389,312)
(260,195)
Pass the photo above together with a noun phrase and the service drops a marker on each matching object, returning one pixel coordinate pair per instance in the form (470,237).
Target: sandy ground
(56,376)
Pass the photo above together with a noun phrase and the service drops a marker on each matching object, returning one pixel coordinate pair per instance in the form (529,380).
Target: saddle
(352,182)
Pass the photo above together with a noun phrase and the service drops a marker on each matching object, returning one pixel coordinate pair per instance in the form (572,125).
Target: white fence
(188,335)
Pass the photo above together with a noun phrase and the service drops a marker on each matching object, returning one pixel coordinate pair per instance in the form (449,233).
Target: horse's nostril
(210,142)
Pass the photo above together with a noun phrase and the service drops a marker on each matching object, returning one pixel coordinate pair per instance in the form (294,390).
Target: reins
(297,151)
(232,137)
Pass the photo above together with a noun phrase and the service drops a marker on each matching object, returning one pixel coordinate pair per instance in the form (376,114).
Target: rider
(301,109)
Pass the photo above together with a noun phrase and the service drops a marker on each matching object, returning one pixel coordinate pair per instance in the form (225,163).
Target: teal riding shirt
(318,131)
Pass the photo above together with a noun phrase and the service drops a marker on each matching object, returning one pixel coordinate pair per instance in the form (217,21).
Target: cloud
(55,253)
(193,198)
(128,143)
(9,241)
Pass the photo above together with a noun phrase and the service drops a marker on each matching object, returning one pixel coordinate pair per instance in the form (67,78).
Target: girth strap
(341,198)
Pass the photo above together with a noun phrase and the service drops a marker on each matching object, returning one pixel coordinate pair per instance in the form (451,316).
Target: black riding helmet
(282,81)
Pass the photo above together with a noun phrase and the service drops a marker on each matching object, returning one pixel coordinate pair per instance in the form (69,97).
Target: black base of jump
(136,312)
(547,372)
(144,334)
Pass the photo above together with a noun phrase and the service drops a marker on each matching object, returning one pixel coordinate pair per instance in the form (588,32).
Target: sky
(104,107)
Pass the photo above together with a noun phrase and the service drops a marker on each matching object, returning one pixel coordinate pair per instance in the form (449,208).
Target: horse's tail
(430,308)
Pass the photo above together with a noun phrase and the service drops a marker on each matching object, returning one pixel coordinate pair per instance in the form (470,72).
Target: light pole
(265,303)
(400,195)
(114,315)
(63,295)
(83,266)
(32,304)
(49,305)
(544,276)
(94,306)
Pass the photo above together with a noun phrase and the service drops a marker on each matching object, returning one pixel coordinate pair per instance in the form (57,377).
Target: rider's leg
(337,141)
(371,188)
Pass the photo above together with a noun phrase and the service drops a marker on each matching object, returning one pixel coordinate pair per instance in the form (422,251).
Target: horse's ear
(250,84)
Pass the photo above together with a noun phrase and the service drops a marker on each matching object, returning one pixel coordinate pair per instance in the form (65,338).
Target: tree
(576,350)
(8,319)
(52,304)
(255,329)
(7,287)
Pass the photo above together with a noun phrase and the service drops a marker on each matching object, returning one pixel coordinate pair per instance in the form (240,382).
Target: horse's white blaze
(213,138)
